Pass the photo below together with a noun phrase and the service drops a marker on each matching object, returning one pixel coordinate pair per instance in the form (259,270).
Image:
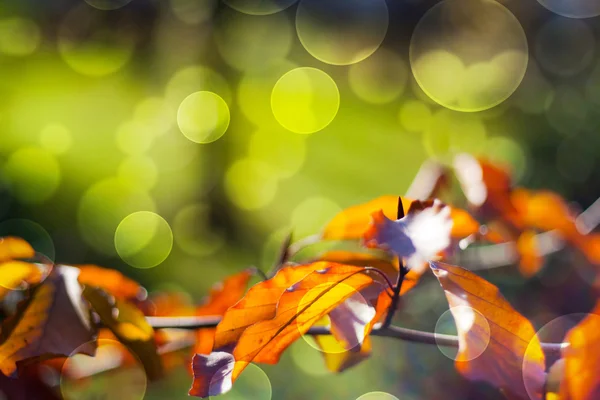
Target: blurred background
(179,141)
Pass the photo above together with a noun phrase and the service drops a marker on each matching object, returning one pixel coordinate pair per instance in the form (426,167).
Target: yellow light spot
(377,396)
(241,39)
(415,116)
(89,47)
(193,233)
(18,36)
(203,117)
(468,55)
(250,184)
(33,174)
(143,239)
(138,171)
(56,138)
(103,207)
(379,79)
(282,150)
(259,7)
(341,32)
(305,100)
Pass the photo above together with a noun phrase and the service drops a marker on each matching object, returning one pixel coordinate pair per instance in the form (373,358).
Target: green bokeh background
(89,136)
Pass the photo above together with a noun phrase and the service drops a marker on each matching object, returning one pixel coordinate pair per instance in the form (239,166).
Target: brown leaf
(110,281)
(299,307)
(416,238)
(493,337)
(53,322)
(581,380)
(129,325)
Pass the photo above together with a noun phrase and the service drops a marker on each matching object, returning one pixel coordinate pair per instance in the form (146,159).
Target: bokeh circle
(463,318)
(468,55)
(341,32)
(573,8)
(143,239)
(305,100)
(107,5)
(377,396)
(252,384)
(32,232)
(203,117)
(113,373)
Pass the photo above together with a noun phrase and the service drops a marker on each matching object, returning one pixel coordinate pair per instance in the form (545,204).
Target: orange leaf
(221,297)
(582,362)
(14,273)
(353,222)
(53,322)
(12,248)
(299,307)
(530,261)
(259,303)
(493,337)
(111,281)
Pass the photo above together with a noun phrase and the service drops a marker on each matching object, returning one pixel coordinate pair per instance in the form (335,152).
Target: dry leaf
(54,321)
(493,337)
(110,281)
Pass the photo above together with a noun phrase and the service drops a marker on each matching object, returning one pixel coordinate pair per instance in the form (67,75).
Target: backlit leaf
(12,248)
(15,273)
(493,337)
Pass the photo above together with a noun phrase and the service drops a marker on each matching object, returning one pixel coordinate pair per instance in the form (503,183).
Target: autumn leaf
(353,222)
(260,303)
(495,341)
(221,297)
(111,281)
(351,323)
(419,236)
(581,380)
(530,259)
(547,211)
(13,248)
(15,273)
(299,307)
(53,322)
(130,327)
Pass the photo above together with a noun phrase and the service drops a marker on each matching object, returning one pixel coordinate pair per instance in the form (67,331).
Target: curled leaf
(495,341)
(418,237)
(53,322)
(12,248)
(15,273)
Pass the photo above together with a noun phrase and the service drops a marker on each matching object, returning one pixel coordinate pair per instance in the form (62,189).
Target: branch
(396,332)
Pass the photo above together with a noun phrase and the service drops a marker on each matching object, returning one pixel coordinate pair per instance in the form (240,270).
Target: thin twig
(284,255)
(396,332)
